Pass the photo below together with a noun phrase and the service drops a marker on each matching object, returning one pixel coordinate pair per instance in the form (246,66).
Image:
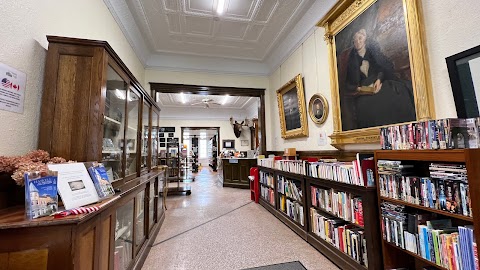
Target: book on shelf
(446,188)
(434,239)
(343,236)
(41,197)
(341,204)
(290,188)
(268,194)
(292,209)
(101,180)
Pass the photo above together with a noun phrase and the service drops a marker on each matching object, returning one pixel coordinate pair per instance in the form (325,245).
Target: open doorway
(201,144)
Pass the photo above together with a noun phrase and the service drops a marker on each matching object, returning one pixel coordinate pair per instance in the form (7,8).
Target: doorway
(202,146)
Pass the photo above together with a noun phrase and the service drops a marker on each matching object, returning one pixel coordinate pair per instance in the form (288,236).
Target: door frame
(218,90)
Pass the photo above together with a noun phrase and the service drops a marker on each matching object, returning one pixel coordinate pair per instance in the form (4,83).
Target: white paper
(12,89)
(322,138)
(74,185)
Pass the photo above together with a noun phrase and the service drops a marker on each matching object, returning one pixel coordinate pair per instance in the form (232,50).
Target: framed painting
(228,144)
(378,67)
(291,108)
(318,109)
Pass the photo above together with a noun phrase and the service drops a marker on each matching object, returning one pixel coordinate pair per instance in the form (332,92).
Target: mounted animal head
(237,127)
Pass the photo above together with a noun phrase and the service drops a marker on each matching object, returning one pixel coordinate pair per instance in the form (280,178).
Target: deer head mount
(237,127)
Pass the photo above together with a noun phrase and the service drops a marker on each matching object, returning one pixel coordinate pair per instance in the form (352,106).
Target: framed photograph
(162,145)
(228,144)
(161,135)
(166,129)
(244,142)
(131,145)
(162,140)
(291,107)
(318,109)
(169,140)
(464,73)
(170,135)
(380,74)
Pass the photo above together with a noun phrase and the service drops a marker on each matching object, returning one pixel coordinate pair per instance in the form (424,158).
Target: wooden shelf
(268,203)
(340,258)
(441,212)
(292,224)
(452,155)
(265,169)
(332,214)
(354,189)
(415,255)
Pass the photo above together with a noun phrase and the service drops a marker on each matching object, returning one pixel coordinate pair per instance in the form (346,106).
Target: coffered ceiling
(249,36)
(196,101)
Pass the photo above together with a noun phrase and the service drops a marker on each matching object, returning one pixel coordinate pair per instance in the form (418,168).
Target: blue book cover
(99,175)
(41,197)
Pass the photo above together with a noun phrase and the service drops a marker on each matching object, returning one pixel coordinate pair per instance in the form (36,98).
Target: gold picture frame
(291,107)
(318,109)
(348,15)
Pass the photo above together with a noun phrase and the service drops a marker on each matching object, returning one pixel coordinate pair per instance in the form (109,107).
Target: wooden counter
(236,171)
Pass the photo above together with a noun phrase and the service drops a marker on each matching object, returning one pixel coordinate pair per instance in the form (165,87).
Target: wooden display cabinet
(93,109)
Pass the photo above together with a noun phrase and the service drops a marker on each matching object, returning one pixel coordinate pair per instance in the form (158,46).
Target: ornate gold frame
(325,109)
(303,130)
(344,12)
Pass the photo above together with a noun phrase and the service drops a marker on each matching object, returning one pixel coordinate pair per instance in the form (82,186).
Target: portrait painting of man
(290,109)
(373,64)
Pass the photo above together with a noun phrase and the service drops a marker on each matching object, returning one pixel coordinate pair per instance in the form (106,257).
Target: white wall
(310,60)
(449,27)
(25,25)
(226,130)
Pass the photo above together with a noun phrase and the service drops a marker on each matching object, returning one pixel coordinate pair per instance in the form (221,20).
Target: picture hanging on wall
(244,142)
(291,108)
(166,129)
(161,135)
(228,144)
(318,108)
(379,66)
(170,135)
(162,144)
(162,140)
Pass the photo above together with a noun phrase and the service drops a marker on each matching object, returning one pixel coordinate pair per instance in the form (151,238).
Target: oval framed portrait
(318,108)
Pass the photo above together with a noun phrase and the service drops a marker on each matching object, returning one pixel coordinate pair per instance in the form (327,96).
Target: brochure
(100,178)
(74,185)
(41,197)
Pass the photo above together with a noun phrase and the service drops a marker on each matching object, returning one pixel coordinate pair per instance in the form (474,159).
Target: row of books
(290,188)
(266,179)
(340,204)
(449,193)
(340,234)
(436,240)
(268,194)
(266,162)
(450,133)
(293,209)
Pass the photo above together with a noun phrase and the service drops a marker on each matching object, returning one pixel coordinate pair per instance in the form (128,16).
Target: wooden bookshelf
(370,217)
(394,256)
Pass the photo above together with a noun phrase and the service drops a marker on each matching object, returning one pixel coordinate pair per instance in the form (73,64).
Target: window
(202,144)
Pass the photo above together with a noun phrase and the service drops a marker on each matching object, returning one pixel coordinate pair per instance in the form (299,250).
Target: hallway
(220,228)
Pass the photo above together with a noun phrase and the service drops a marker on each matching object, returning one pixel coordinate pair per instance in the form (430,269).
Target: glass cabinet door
(154,139)
(162,194)
(123,253)
(133,110)
(139,219)
(151,205)
(145,135)
(114,123)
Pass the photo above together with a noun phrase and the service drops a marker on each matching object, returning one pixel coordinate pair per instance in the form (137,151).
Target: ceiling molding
(286,42)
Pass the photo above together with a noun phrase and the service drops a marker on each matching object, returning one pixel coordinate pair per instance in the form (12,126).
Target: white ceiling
(191,100)
(251,36)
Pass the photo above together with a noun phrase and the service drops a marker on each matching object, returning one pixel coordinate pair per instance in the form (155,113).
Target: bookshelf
(395,256)
(370,217)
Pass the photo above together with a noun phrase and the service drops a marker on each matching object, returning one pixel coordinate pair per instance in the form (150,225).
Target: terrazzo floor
(220,228)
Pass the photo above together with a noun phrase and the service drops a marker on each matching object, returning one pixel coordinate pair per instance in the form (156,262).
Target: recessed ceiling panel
(202,6)
(198,25)
(254,32)
(266,10)
(173,22)
(229,29)
(171,5)
(240,8)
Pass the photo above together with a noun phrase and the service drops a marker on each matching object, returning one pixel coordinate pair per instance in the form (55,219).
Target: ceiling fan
(206,102)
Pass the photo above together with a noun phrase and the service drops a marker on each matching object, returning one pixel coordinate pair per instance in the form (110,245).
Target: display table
(118,236)
(236,171)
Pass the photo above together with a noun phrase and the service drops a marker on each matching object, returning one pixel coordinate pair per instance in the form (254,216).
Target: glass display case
(155,120)
(145,136)
(114,121)
(123,252)
(161,185)
(133,109)
(139,219)
(151,204)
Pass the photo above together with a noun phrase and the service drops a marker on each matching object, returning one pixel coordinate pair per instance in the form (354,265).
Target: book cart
(305,183)
(398,257)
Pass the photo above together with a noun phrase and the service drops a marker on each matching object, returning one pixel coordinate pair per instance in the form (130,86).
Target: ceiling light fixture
(225,99)
(220,6)
(182,97)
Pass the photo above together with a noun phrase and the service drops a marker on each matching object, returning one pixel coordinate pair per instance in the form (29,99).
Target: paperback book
(99,175)
(41,197)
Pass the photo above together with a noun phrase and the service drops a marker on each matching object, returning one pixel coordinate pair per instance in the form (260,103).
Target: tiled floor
(220,228)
